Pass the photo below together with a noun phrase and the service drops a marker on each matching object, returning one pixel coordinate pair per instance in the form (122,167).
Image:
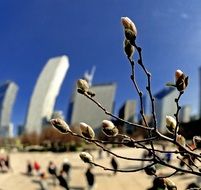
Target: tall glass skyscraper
(165,105)
(8,92)
(82,109)
(45,92)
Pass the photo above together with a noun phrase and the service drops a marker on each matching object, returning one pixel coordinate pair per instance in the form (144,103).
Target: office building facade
(45,92)
(82,109)
(185,114)
(8,93)
(165,105)
(127,113)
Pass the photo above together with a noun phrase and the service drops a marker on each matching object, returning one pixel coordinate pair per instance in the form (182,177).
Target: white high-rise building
(45,92)
(185,114)
(127,112)
(8,93)
(165,105)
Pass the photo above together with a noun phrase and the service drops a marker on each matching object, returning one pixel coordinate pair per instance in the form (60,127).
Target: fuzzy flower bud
(170,184)
(87,131)
(129,24)
(109,128)
(129,29)
(197,141)
(128,48)
(170,124)
(181,80)
(181,140)
(60,125)
(178,74)
(86,157)
(83,85)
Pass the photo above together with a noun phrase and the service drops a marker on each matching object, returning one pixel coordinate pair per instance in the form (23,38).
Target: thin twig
(177,114)
(105,149)
(122,170)
(169,175)
(114,116)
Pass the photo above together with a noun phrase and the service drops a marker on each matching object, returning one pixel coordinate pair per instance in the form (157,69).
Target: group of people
(62,177)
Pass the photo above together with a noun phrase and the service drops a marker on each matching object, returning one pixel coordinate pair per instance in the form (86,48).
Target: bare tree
(154,136)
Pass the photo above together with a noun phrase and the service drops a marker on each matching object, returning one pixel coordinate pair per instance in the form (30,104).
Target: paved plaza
(105,180)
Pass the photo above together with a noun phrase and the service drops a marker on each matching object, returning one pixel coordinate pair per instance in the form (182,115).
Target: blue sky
(90,33)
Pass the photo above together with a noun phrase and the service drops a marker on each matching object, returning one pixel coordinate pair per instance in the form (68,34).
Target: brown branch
(121,170)
(105,149)
(114,116)
(177,114)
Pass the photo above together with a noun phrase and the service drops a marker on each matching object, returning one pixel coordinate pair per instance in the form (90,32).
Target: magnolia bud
(181,81)
(128,48)
(60,125)
(197,141)
(129,24)
(86,157)
(109,129)
(130,36)
(178,73)
(87,131)
(170,124)
(130,29)
(181,140)
(151,170)
(82,85)
(170,184)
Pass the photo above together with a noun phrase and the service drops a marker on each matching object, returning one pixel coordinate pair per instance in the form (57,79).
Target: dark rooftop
(161,94)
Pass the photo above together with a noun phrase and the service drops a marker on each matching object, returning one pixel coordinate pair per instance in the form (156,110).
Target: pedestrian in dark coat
(62,180)
(52,169)
(114,165)
(90,179)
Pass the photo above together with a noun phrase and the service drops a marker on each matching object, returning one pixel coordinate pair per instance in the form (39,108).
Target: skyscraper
(45,93)
(8,93)
(165,105)
(185,114)
(83,110)
(200,89)
(127,112)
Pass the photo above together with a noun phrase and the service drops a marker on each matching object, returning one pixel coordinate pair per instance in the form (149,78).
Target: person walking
(52,170)
(43,181)
(29,168)
(114,165)
(62,180)
(66,167)
(37,167)
(90,179)
(7,162)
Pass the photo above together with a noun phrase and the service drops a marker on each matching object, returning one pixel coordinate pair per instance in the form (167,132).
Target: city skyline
(90,33)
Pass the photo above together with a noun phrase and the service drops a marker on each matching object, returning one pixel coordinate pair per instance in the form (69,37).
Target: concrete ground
(105,180)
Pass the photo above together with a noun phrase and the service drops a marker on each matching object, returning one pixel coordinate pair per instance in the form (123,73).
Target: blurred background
(46,46)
